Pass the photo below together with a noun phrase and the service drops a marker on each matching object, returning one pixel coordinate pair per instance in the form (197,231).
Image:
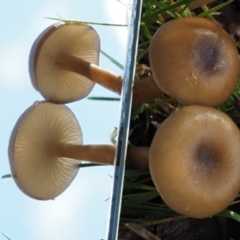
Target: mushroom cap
(194,161)
(194,60)
(37,174)
(56,83)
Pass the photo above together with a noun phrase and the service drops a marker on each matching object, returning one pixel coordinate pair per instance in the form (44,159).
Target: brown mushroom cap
(45,150)
(195,160)
(194,60)
(48,77)
(38,174)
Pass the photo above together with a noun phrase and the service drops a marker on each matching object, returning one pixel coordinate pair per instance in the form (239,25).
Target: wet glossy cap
(195,161)
(194,60)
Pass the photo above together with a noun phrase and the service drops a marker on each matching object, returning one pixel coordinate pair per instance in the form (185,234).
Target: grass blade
(6,236)
(104,98)
(84,22)
(112,60)
(7,176)
(230,214)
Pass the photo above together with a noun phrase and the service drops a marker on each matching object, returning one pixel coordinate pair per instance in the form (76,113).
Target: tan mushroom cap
(195,161)
(52,81)
(194,60)
(36,173)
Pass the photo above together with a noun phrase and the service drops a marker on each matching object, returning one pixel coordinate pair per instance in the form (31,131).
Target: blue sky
(82,211)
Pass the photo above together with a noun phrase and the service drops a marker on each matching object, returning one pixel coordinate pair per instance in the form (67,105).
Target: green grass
(139,200)
(84,22)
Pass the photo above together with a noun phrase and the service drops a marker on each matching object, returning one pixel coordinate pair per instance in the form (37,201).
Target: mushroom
(45,151)
(63,63)
(194,161)
(45,148)
(194,60)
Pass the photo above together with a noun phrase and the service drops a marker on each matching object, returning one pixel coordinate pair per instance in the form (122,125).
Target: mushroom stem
(91,71)
(103,154)
(145,90)
(198,3)
(137,158)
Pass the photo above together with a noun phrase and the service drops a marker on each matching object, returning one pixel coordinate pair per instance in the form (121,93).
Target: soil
(186,229)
